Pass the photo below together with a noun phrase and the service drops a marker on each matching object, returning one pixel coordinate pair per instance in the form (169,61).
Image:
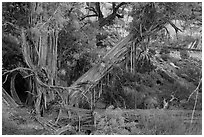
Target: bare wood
(88,76)
(8,99)
(98,71)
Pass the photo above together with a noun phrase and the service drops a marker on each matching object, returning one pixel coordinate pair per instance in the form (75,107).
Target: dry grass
(165,123)
(151,122)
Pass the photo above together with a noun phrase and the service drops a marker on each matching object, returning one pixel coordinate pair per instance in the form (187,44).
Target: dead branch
(92,9)
(98,10)
(46,124)
(119,5)
(8,99)
(16,69)
(50,17)
(194,108)
(63,129)
(5,79)
(196,90)
(87,16)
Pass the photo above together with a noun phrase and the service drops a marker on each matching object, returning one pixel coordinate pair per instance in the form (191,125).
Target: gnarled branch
(87,16)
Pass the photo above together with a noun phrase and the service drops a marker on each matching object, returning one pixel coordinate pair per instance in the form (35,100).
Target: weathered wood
(110,56)
(98,71)
(8,99)
(13,90)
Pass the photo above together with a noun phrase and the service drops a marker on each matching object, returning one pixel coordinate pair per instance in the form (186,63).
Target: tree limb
(100,14)
(113,6)
(119,5)
(112,16)
(119,16)
(173,25)
(91,9)
(87,16)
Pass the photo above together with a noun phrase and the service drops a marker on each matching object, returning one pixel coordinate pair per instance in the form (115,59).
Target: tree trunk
(114,56)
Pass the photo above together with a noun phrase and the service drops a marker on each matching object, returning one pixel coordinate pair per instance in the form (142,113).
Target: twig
(79,124)
(50,17)
(19,68)
(87,16)
(197,88)
(48,126)
(194,107)
(16,27)
(31,93)
(63,129)
(60,87)
(28,76)
(5,79)
(58,117)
